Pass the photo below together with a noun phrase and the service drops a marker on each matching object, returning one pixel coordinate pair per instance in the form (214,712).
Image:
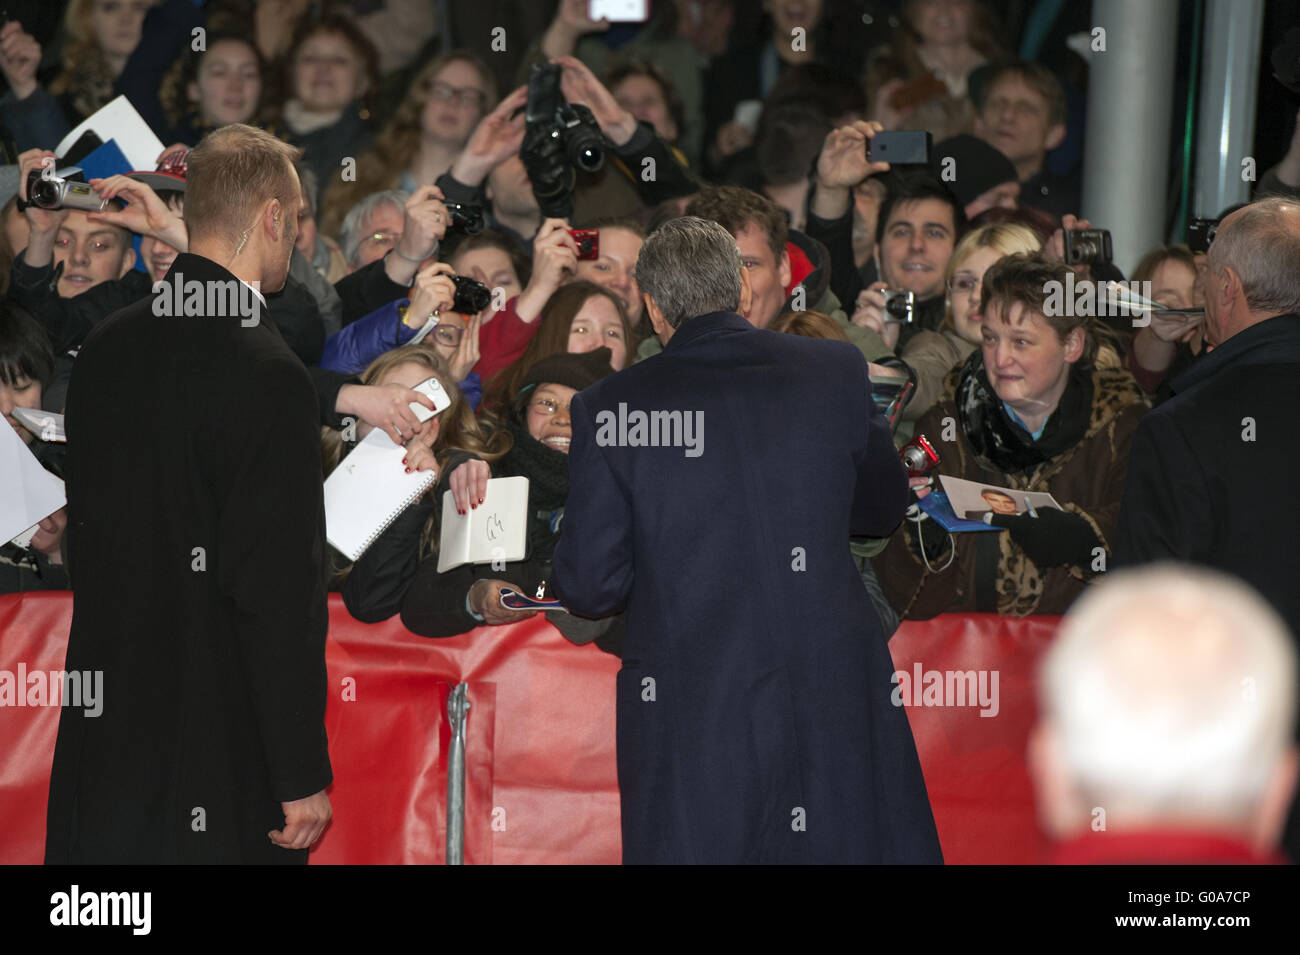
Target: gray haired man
(711,492)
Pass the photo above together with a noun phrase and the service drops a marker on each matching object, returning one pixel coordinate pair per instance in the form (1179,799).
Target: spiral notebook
(368,491)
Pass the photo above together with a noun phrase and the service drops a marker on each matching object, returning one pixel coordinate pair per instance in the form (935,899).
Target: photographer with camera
(69,252)
(1035,411)
(918,227)
(443,309)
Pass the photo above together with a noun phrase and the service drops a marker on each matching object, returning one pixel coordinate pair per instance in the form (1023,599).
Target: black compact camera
(900,306)
(466,217)
(471,296)
(65,189)
(559,139)
(1200,232)
(1088,247)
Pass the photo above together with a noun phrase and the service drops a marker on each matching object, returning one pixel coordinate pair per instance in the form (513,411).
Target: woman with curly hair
(426,134)
(374,586)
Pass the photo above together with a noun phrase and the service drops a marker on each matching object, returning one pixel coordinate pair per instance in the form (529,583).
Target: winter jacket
(355,347)
(932,355)
(1088,439)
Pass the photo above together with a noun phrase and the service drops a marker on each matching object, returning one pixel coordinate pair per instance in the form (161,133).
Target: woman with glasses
(425,136)
(454,602)
(933,354)
(374,585)
(426,316)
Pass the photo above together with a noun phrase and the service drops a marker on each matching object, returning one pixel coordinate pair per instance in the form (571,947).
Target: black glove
(1053,537)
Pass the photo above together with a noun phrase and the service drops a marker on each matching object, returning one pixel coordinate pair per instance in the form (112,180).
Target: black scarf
(1000,441)
(547,471)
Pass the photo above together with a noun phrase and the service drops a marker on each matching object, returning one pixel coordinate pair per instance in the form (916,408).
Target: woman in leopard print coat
(1031,410)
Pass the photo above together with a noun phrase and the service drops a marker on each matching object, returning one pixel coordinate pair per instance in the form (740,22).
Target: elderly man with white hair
(1165,737)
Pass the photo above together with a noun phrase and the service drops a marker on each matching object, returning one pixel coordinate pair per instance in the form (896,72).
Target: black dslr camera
(1088,247)
(471,296)
(559,138)
(466,217)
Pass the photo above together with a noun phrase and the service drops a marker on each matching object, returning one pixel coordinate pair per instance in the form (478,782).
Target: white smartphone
(441,400)
(619,11)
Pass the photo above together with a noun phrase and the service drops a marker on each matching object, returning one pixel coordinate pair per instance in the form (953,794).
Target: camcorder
(466,217)
(900,306)
(559,139)
(1088,247)
(64,189)
(471,296)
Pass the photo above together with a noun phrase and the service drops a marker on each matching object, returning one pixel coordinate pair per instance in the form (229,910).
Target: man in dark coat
(712,491)
(1213,471)
(196,548)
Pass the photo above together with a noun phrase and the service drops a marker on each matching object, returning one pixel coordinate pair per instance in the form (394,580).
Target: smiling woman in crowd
(578,317)
(373,586)
(450,603)
(1034,412)
(213,87)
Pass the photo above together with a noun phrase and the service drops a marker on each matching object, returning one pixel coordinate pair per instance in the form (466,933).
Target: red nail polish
(408,470)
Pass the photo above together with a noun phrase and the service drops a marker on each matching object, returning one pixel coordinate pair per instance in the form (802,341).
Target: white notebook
(368,491)
(30,494)
(496,530)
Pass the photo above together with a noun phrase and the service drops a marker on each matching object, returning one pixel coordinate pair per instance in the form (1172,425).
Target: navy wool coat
(754,714)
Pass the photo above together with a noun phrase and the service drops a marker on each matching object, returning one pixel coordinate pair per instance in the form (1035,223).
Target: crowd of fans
(758,119)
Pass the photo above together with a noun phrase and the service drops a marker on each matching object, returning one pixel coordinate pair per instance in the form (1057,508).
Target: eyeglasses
(449,335)
(466,97)
(547,406)
(389,239)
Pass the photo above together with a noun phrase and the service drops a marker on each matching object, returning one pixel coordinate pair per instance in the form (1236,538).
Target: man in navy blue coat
(712,491)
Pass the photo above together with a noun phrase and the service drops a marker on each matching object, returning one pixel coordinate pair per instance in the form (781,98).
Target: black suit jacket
(196,543)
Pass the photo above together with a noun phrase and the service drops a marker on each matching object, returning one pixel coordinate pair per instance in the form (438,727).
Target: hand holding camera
(434,291)
(555,261)
(879,309)
(145,213)
(559,139)
(580,85)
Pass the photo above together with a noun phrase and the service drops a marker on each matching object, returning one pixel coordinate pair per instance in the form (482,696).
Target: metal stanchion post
(457,709)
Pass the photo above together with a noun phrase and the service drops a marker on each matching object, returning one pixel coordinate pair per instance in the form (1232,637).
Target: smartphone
(619,11)
(441,400)
(588,244)
(514,600)
(901,147)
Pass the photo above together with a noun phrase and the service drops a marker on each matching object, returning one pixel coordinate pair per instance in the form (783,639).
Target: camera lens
(44,193)
(897,307)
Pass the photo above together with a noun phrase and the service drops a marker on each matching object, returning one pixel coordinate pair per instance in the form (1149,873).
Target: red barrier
(541,785)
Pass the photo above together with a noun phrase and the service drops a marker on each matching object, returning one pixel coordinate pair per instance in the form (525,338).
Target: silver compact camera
(900,306)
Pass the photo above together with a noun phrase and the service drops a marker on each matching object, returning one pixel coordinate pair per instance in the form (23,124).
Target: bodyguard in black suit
(1214,471)
(712,490)
(197,553)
